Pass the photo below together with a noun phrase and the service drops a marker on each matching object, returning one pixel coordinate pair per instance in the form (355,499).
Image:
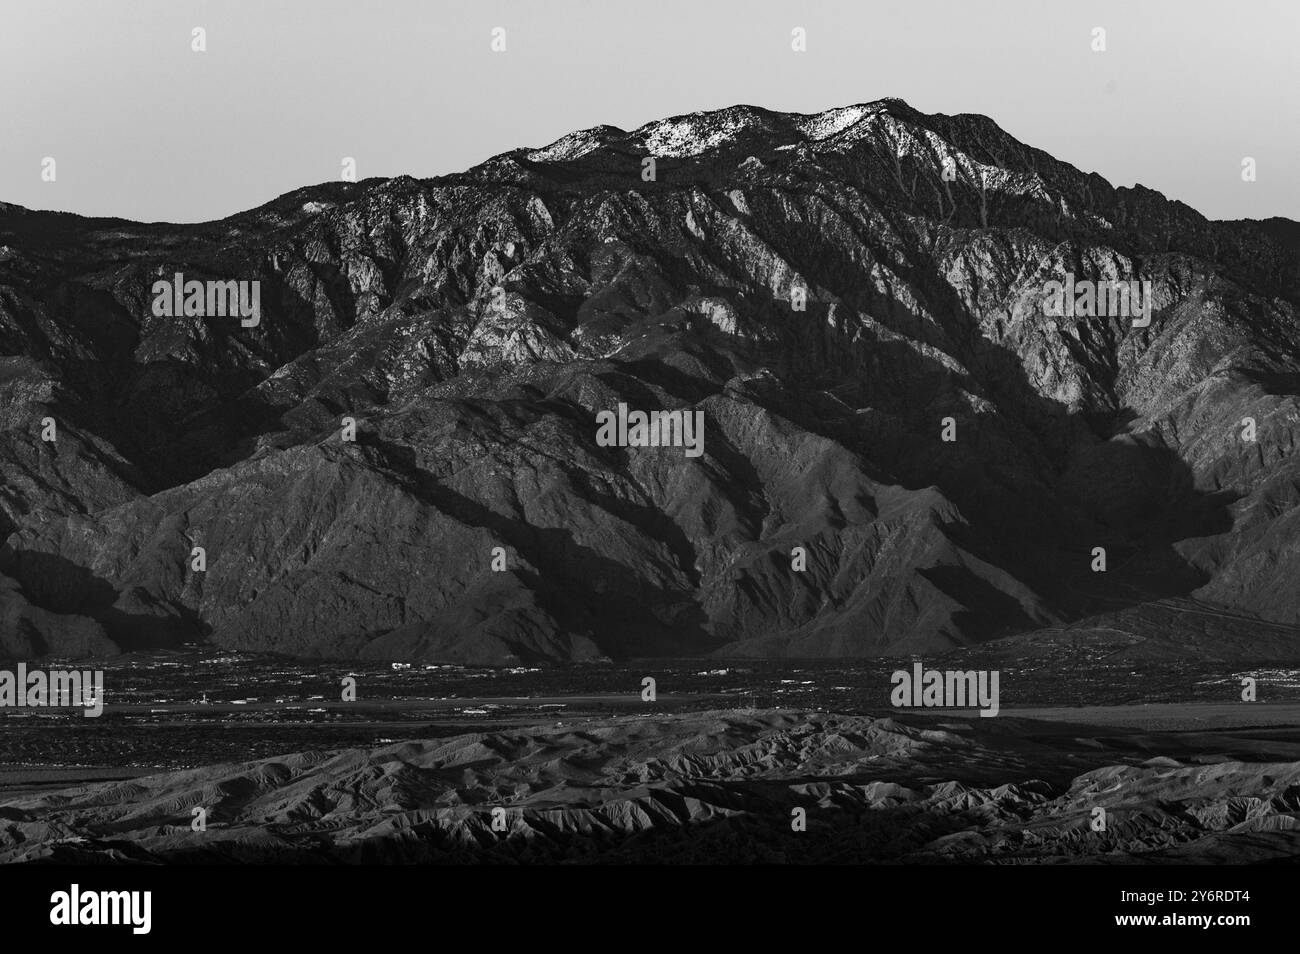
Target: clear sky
(142,127)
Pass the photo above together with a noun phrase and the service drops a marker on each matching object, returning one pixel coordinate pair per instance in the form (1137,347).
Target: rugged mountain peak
(696,134)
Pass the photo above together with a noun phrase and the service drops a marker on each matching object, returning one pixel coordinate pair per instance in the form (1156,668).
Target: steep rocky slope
(475,325)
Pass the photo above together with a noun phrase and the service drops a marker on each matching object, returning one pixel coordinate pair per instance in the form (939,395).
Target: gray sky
(142,127)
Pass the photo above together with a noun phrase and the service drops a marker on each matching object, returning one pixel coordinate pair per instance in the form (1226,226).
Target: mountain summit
(903,450)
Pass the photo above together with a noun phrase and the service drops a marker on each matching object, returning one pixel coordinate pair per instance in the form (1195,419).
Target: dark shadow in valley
(132,618)
(585,591)
(1039,486)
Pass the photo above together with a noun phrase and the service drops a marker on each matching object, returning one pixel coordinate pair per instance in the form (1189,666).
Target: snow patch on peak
(694,134)
(572,146)
(833,121)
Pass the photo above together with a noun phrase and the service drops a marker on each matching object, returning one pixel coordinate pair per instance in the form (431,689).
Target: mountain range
(902,451)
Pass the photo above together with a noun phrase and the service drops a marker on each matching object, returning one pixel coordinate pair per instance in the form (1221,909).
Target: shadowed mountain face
(826,290)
